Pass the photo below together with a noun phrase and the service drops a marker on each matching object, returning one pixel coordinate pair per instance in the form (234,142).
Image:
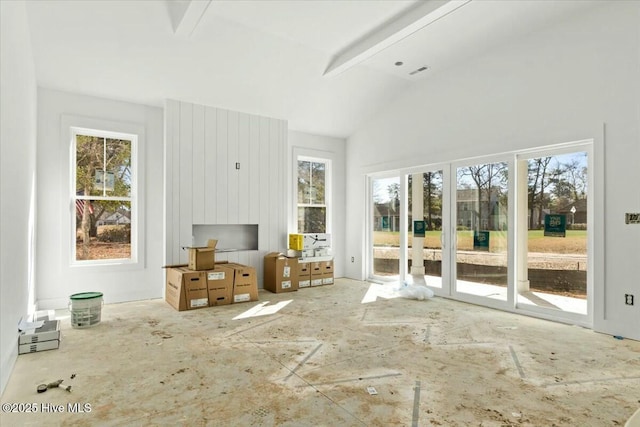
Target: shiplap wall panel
(254,170)
(274,183)
(243,173)
(168,178)
(233,257)
(203,145)
(263,203)
(243,258)
(169,123)
(175,201)
(186,178)
(210,153)
(222,171)
(233,174)
(198,164)
(281,240)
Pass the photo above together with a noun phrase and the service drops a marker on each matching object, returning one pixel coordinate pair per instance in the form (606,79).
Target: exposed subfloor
(310,363)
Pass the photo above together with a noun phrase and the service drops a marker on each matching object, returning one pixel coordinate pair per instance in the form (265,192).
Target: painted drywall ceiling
(268,57)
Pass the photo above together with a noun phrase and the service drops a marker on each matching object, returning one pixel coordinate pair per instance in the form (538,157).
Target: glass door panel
(557,225)
(481,206)
(386,227)
(424,238)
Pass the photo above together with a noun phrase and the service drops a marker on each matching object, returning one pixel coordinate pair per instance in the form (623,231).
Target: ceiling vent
(419,70)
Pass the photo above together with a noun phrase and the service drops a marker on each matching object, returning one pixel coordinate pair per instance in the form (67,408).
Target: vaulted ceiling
(326,66)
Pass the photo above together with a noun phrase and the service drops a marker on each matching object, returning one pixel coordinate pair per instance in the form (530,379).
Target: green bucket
(85,309)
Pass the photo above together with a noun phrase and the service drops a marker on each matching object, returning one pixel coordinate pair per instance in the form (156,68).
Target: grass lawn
(574,243)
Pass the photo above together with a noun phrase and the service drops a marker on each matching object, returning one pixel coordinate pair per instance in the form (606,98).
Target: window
(104,196)
(313,194)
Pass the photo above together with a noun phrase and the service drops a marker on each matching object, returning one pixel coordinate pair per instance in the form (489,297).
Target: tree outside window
(104,185)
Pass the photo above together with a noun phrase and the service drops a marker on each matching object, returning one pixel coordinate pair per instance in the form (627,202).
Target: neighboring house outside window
(104,195)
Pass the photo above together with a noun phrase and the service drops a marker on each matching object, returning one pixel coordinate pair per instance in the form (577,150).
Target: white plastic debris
(418,292)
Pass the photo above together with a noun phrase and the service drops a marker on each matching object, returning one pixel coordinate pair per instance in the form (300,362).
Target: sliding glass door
(554,258)
(481,218)
(510,231)
(424,227)
(386,214)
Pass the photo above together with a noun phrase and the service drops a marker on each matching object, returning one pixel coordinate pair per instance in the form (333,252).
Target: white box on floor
(38,346)
(49,331)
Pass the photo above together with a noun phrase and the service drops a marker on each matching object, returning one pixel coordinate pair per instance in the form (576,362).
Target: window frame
(327,190)
(74,126)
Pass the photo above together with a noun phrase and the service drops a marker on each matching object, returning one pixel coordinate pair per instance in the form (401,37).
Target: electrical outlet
(628,299)
(353,259)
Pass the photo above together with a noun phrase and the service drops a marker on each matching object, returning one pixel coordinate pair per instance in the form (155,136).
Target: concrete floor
(310,362)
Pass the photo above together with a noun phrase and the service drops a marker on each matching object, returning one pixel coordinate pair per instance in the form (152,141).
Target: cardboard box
(316,269)
(304,283)
(280,273)
(304,274)
(296,242)
(186,289)
(322,252)
(327,278)
(203,258)
(326,267)
(220,285)
(49,331)
(38,346)
(316,280)
(245,283)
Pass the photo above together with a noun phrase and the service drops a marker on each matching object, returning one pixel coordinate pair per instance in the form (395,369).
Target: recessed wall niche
(241,237)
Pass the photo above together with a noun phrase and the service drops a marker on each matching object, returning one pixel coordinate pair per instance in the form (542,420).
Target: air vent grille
(419,70)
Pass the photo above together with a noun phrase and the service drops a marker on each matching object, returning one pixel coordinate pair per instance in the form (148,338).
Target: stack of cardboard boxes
(45,337)
(287,274)
(308,263)
(205,283)
(321,273)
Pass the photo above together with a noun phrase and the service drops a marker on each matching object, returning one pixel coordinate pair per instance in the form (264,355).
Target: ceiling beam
(186,15)
(424,14)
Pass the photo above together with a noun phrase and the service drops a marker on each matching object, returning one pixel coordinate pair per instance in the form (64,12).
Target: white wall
(203,186)
(18,113)
(305,144)
(556,85)
(57,279)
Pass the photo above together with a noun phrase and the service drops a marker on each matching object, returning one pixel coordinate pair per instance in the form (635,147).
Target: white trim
(317,156)
(73,125)
(596,244)
(595,208)
(494,303)
(568,148)
(369,260)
